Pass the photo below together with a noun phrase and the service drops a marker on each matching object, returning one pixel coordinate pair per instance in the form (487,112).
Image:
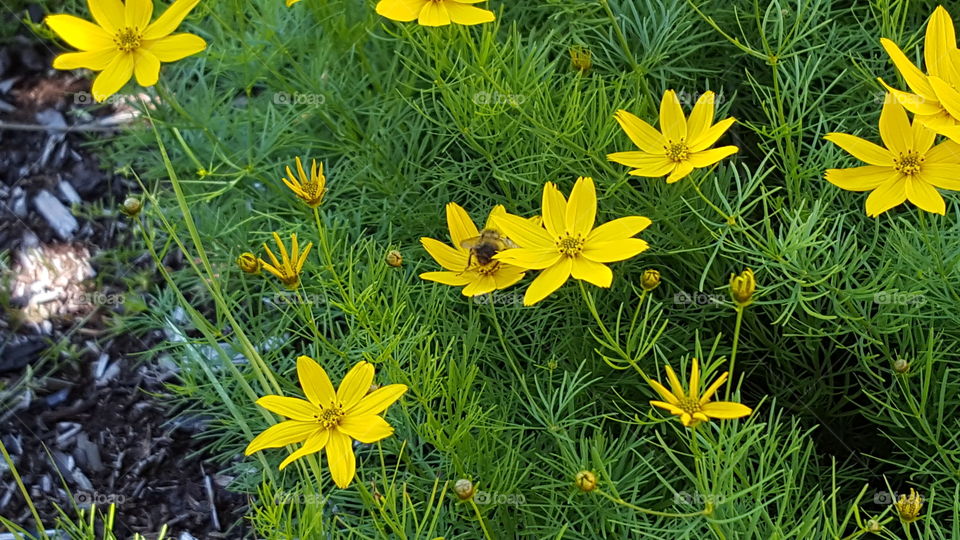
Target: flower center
(908,163)
(690,405)
(127,39)
(676,151)
(486,269)
(329,418)
(570,246)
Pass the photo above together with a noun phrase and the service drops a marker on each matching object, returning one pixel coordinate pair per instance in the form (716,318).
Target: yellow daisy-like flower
(329,419)
(680,146)
(435,12)
(693,407)
(909,168)
(568,244)
(935,99)
(469,263)
(124,42)
(291,2)
(288,268)
(310,189)
(908,508)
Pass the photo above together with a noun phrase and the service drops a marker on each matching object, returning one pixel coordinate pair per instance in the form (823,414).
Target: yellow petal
(942,175)
(483,284)
(311,446)
(949,98)
(400,10)
(460,225)
(170,19)
(137,13)
(107,13)
(113,77)
(861,149)
(434,14)
(675,385)
(524,233)
(618,229)
(686,419)
(146,67)
(922,137)
(890,194)
(468,15)
(454,279)
(640,133)
(554,210)
(647,165)
(282,434)
(366,429)
(726,410)
(377,401)
(672,122)
(454,260)
(93,60)
(355,384)
(695,380)
(711,135)
(915,78)
(925,196)
(549,280)
(895,127)
(582,207)
(911,102)
(497,210)
(507,275)
(680,172)
(80,33)
(293,408)
(315,382)
(712,389)
(614,250)
(592,272)
(530,259)
(705,158)
(340,459)
(664,393)
(663,405)
(940,41)
(701,116)
(863,178)
(175,47)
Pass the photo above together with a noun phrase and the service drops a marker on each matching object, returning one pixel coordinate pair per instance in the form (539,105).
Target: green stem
(733,352)
(642,510)
(483,524)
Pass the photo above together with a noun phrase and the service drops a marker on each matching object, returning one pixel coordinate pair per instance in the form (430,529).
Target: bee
(485,246)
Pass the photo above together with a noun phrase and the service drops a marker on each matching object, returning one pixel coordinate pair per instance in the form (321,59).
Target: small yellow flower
(650,280)
(693,407)
(908,508)
(249,263)
(291,2)
(310,189)
(568,244)
(328,419)
(288,268)
(435,12)
(581,58)
(124,42)
(394,258)
(742,287)
(586,481)
(681,145)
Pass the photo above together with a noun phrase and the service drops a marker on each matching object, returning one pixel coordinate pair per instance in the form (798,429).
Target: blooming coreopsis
(308,188)
(682,144)
(469,263)
(329,419)
(568,244)
(691,406)
(909,168)
(124,42)
(435,12)
(288,268)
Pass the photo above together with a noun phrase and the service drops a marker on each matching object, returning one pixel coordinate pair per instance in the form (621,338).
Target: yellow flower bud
(650,279)
(464,489)
(586,481)
(394,258)
(249,263)
(742,287)
(901,366)
(908,508)
(131,206)
(581,58)
(874,526)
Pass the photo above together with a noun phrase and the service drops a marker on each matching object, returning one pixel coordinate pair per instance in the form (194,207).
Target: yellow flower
(650,279)
(478,275)
(249,263)
(693,407)
(291,2)
(680,146)
(124,42)
(310,189)
(581,58)
(435,12)
(567,243)
(908,508)
(742,287)
(935,99)
(288,268)
(328,419)
(909,168)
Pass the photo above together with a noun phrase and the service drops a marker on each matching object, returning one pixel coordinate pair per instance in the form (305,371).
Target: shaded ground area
(80,413)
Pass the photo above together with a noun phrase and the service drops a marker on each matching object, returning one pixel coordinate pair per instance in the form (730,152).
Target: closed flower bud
(874,526)
(586,481)
(901,366)
(650,279)
(464,489)
(249,263)
(394,258)
(581,58)
(742,287)
(908,508)
(131,206)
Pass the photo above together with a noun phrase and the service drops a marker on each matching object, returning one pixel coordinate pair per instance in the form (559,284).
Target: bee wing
(509,244)
(470,243)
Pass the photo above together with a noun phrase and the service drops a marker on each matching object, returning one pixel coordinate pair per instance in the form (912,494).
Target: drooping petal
(664,405)
(862,149)
(146,67)
(711,135)
(915,78)
(468,15)
(282,434)
(434,14)
(366,429)
(315,382)
(377,401)
(618,229)
(400,10)
(292,408)
(890,194)
(549,280)
(137,13)
(92,60)
(113,77)
(454,279)
(925,196)
(672,122)
(650,165)
(530,259)
(592,272)
(726,410)
(311,446)
(524,233)
(614,250)
(80,33)
(355,384)
(461,226)
(895,127)
(911,102)
(706,158)
(107,13)
(582,207)
(664,393)
(554,210)
(640,133)
(340,459)
(454,260)
(701,116)
(863,178)
(175,47)
(170,19)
